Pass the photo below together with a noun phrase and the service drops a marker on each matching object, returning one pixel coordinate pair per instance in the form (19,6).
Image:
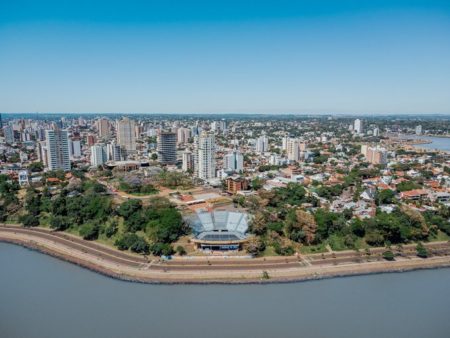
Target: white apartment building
(206,156)
(98,155)
(57,141)
(233,161)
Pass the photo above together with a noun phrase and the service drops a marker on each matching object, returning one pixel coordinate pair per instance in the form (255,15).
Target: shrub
(388,255)
(181,250)
(422,252)
(161,249)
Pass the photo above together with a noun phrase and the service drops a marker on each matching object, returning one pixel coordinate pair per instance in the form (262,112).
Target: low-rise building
(235,184)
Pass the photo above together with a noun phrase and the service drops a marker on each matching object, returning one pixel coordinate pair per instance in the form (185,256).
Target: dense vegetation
(9,203)
(137,189)
(82,206)
(287,218)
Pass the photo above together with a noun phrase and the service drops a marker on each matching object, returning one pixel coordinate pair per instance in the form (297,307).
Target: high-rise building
(126,137)
(42,153)
(206,156)
(9,134)
(284,142)
(376,132)
(57,149)
(183,135)
(40,134)
(103,128)
(188,161)
(113,152)
(293,149)
(419,130)
(167,147)
(262,144)
(74,148)
(233,161)
(219,126)
(358,126)
(90,140)
(98,155)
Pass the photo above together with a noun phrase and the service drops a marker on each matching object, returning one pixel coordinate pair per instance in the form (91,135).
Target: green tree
(386,196)
(129,207)
(125,241)
(59,223)
(111,229)
(161,249)
(257,183)
(36,167)
(408,185)
(140,245)
(29,220)
(89,231)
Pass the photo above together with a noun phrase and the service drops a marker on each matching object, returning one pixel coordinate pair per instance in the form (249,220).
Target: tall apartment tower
(126,137)
(167,147)
(113,152)
(206,156)
(103,128)
(233,161)
(183,135)
(284,142)
(8,132)
(188,161)
(358,126)
(293,149)
(262,144)
(98,155)
(57,149)
(74,148)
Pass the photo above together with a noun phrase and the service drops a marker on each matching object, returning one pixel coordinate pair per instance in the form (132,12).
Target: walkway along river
(126,266)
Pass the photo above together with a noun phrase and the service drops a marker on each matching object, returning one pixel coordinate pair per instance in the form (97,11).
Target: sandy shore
(116,264)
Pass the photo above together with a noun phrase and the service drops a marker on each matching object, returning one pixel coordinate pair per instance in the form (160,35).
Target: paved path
(129,266)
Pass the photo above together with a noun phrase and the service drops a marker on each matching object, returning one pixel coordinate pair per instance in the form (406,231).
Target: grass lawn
(440,236)
(269,251)
(310,249)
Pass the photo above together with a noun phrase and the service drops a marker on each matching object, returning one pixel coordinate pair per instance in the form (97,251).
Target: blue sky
(225,56)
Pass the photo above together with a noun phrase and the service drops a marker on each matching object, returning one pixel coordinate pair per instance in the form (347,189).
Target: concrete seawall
(224,271)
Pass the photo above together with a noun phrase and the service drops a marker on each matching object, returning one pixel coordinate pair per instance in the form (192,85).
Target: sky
(360,57)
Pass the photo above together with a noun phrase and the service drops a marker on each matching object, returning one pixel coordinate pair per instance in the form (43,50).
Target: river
(440,143)
(43,297)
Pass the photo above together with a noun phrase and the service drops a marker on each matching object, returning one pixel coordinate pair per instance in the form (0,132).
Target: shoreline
(248,272)
(418,141)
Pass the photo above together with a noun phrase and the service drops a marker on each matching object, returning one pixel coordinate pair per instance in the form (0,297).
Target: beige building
(103,127)
(126,137)
(374,155)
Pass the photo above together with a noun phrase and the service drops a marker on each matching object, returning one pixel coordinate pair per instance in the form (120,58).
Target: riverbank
(436,143)
(204,270)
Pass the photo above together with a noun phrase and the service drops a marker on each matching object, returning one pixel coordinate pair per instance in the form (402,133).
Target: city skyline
(391,57)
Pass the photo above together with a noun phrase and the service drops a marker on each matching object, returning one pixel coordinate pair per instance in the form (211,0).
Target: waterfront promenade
(127,266)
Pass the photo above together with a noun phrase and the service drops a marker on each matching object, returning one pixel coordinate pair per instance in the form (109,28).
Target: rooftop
(219,225)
